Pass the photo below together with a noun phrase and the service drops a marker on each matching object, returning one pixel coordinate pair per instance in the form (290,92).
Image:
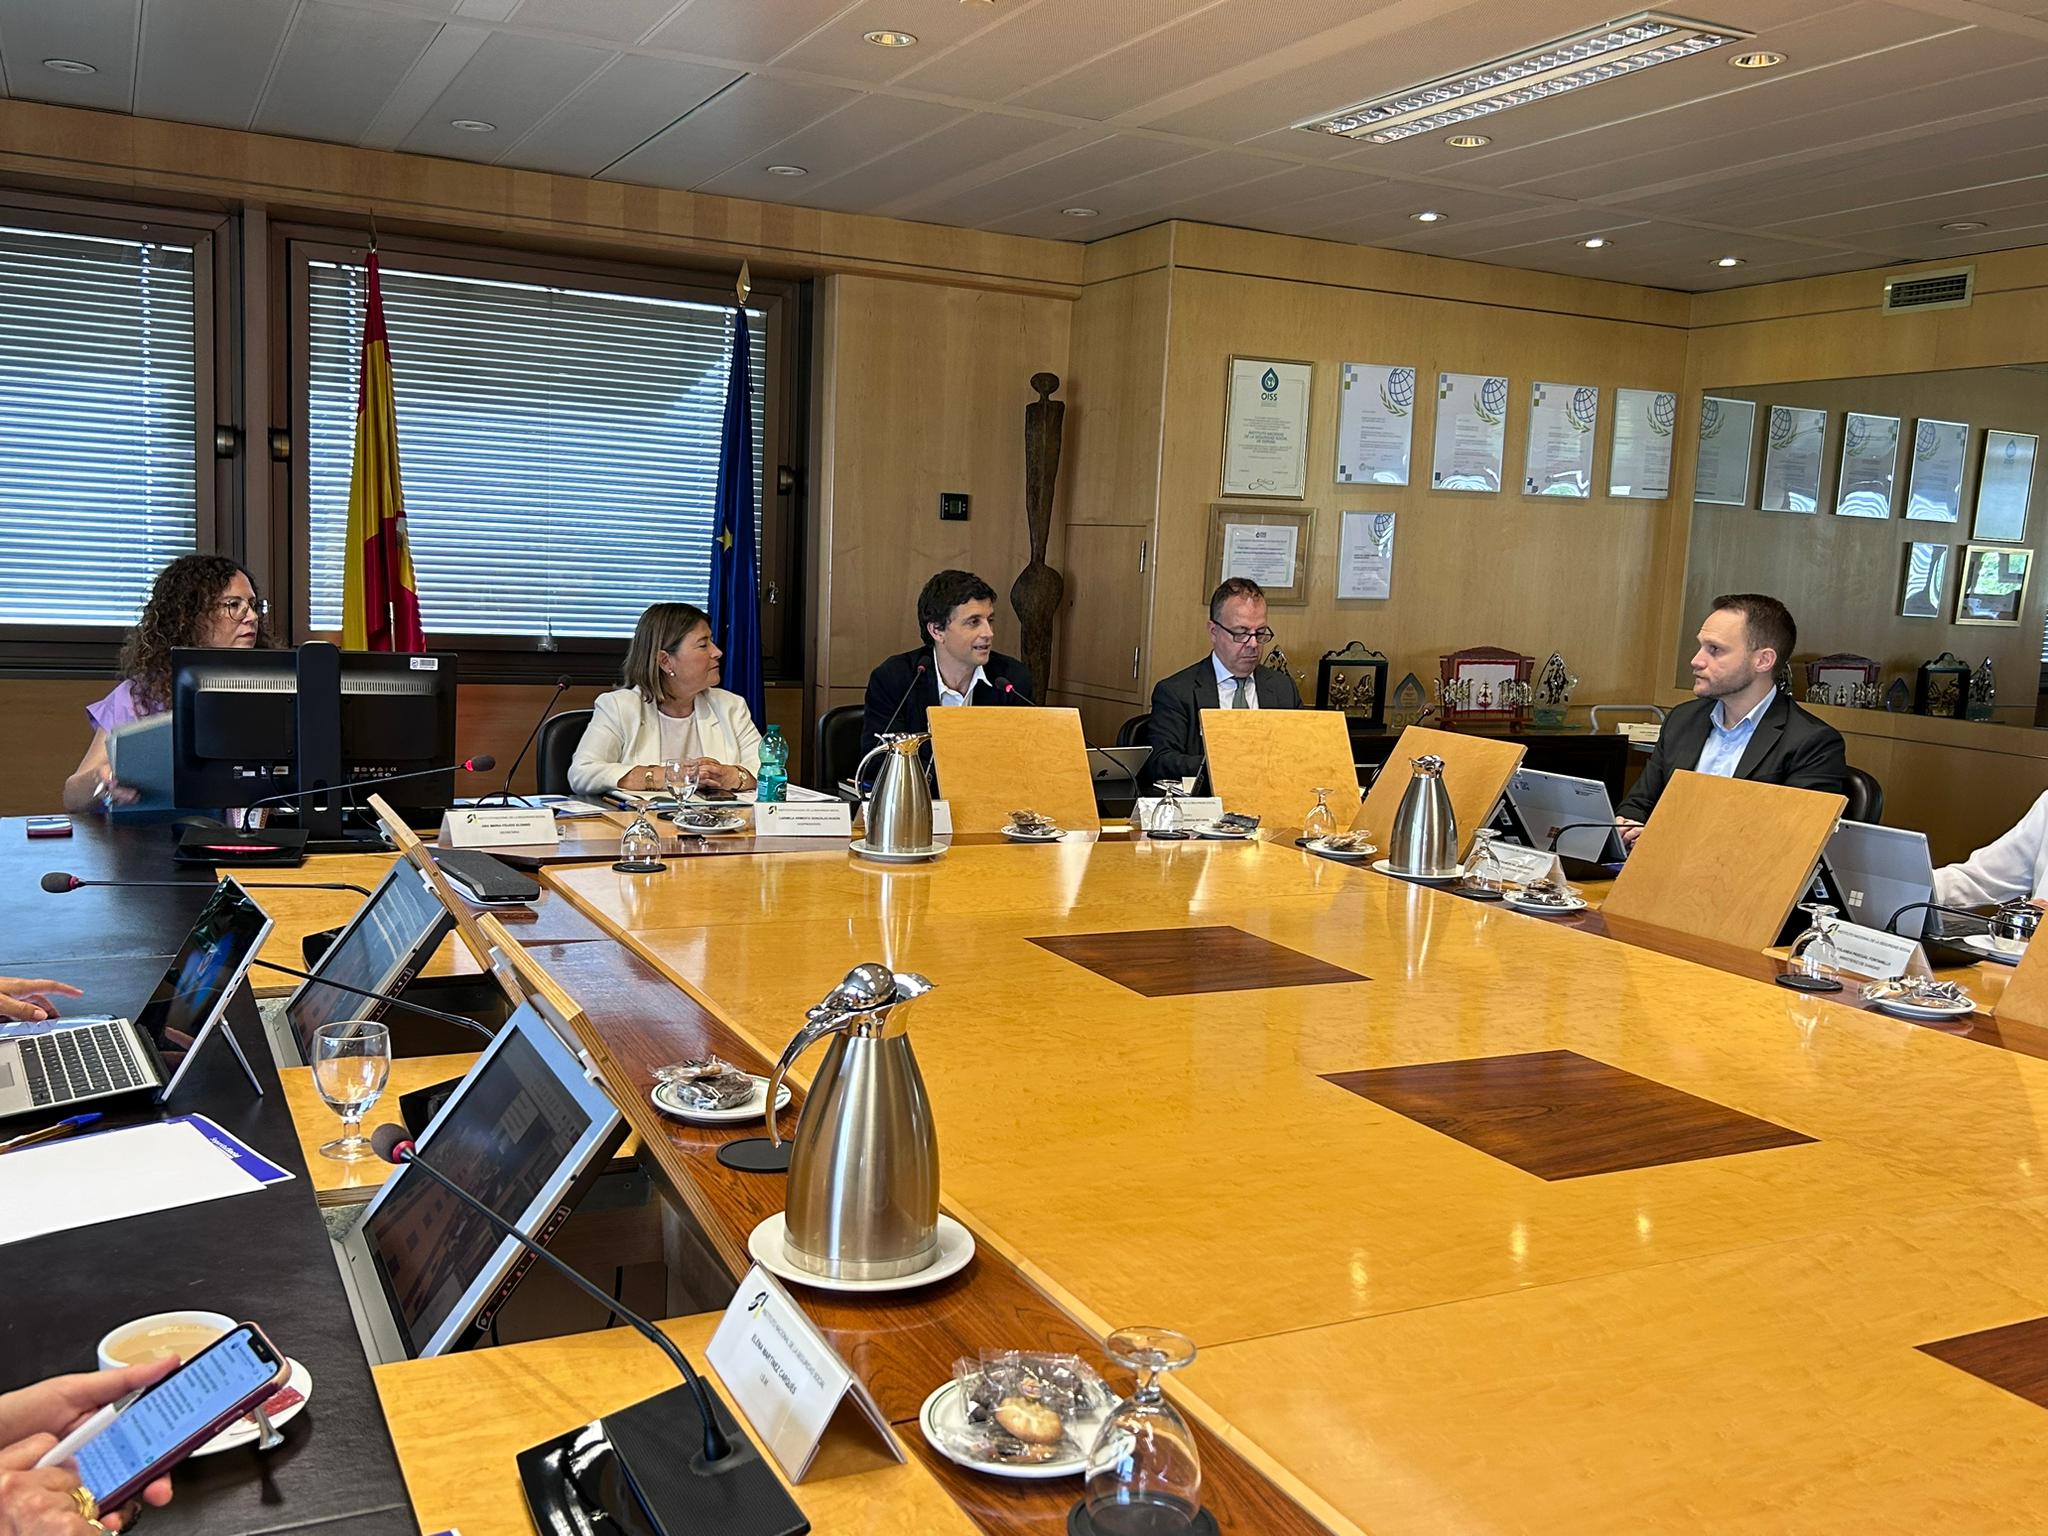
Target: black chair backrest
(1135,732)
(556,749)
(837,752)
(1866,797)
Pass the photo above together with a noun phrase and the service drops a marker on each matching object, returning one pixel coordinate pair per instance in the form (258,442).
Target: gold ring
(88,1506)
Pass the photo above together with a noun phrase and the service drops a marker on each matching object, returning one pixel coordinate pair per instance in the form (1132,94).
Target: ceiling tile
(96,32)
(738,124)
(1062,181)
(620,108)
(337,70)
(1033,42)
(614,21)
(838,48)
(206,61)
(512,81)
(983,145)
(869,128)
(750,31)
(445,56)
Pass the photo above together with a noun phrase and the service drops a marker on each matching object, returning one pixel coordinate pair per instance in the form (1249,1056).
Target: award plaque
(1355,681)
(1942,687)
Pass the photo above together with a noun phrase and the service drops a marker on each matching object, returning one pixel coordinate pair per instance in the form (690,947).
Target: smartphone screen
(173,1411)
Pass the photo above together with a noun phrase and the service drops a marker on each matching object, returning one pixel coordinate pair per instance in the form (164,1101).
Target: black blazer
(1176,726)
(1790,746)
(897,681)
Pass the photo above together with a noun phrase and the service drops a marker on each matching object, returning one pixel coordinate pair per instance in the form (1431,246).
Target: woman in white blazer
(670,709)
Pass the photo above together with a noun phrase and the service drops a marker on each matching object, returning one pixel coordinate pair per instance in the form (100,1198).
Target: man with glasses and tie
(1229,677)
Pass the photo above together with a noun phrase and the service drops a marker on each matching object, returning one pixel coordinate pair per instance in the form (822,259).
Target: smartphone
(49,826)
(179,1414)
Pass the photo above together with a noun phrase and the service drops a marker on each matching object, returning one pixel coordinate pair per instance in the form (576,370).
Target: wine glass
(1166,814)
(1319,822)
(1144,1475)
(1483,869)
(351,1060)
(639,846)
(680,774)
(1813,952)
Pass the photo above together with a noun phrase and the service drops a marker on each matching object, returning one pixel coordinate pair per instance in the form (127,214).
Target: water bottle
(773,778)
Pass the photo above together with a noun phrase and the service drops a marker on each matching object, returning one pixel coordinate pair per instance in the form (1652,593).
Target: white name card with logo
(792,1386)
(811,818)
(1192,808)
(1872,952)
(506,827)
(1523,865)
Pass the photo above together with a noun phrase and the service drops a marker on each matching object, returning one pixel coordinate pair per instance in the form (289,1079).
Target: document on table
(85,1180)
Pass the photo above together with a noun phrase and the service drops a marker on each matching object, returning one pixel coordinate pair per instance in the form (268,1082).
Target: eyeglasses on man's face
(242,607)
(1262,635)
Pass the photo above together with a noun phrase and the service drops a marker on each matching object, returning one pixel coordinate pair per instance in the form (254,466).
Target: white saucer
(751,1110)
(728,821)
(1315,845)
(943,1411)
(916,856)
(956,1247)
(1016,836)
(1546,908)
(1386,867)
(244,1431)
(1924,1013)
(1985,946)
(1220,834)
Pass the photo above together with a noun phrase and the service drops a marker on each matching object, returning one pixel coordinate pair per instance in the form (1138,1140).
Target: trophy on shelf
(1983,693)
(1942,687)
(1410,703)
(1275,660)
(1486,686)
(1354,680)
(1843,679)
(1899,698)
(1554,685)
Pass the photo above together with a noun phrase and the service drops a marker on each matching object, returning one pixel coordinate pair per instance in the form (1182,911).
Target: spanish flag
(380,604)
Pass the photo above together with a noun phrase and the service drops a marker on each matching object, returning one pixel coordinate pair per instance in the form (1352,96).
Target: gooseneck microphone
(897,713)
(56,882)
(483,762)
(382,997)
(393,1145)
(562,685)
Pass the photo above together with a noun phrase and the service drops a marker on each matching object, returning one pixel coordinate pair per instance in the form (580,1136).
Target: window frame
(522,658)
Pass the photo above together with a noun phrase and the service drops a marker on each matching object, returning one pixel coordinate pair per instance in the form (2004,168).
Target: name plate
(1872,952)
(792,1386)
(1192,808)
(507,827)
(809,818)
(1523,864)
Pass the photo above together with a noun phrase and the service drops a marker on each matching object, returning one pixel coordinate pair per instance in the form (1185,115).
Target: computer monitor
(525,1132)
(381,949)
(247,725)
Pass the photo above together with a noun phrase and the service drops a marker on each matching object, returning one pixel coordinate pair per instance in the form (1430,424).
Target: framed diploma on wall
(1269,545)
(1870,463)
(1934,484)
(1265,427)
(1792,459)
(1721,467)
(2005,481)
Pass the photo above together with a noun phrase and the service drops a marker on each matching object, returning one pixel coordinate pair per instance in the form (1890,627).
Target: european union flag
(735,576)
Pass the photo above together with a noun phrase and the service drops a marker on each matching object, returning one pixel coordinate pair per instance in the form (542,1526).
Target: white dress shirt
(2015,865)
(1226,686)
(948,696)
(1725,744)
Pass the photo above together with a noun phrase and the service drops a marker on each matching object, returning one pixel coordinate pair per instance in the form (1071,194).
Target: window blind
(558,446)
(98,434)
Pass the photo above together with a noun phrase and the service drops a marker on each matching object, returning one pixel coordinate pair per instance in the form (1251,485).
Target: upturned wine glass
(1144,1475)
(1319,822)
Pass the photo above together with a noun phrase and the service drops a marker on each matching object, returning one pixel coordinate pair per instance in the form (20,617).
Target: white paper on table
(1639,467)
(85,1180)
(1375,424)
(1471,431)
(1562,418)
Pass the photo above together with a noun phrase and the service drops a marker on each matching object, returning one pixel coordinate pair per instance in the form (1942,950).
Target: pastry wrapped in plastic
(1032,824)
(706,1082)
(1024,1408)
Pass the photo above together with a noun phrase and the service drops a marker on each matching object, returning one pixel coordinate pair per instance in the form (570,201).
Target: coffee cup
(183,1334)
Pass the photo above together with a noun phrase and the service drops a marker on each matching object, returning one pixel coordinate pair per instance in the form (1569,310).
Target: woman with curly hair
(197,600)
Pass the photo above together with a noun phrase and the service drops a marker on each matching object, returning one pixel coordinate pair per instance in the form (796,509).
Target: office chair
(1135,732)
(556,749)
(837,750)
(1866,796)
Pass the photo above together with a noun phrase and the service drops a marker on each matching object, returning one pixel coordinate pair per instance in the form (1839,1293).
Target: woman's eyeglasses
(242,607)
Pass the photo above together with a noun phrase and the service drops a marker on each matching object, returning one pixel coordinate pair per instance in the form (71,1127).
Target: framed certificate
(1265,428)
(1269,545)
(2005,481)
(1721,467)
(1375,424)
(1994,585)
(1365,556)
(1870,463)
(1934,486)
(1924,592)
(1639,465)
(1562,419)
(1471,431)
(1792,452)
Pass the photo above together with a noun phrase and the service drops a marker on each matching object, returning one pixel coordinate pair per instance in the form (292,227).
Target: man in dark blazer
(958,664)
(1739,724)
(1229,677)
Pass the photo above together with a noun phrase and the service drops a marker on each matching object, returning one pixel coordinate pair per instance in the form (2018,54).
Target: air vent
(1930,290)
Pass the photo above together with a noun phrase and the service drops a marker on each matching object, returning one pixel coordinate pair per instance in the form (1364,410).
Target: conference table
(1480,1221)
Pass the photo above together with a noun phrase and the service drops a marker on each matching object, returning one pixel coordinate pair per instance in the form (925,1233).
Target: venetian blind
(98,434)
(558,446)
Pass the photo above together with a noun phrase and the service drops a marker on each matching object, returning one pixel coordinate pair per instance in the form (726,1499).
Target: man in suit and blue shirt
(1229,677)
(1739,724)
(957,665)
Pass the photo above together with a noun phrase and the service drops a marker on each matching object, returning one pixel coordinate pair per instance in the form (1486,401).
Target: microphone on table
(394,1145)
(562,685)
(483,762)
(56,882)
(897,713)
(391,998)
(1015,692)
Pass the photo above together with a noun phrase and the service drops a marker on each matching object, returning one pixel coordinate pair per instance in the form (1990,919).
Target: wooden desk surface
(1615,1162)
(351,1183)
(459,1421)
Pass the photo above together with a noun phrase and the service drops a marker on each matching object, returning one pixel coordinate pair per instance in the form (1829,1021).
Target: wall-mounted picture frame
(1269,545)
(1923,588)
(1265,427)
(2005,483)
(1365,556)
(1993,588)
(1934,487)
(1375,423)
(1870,465)
(1721,464)
(1792,459)
(1471,432)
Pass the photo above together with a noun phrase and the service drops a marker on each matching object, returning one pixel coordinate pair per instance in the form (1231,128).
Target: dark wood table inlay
(2014,1357)
(1560,1115)
(1171,962)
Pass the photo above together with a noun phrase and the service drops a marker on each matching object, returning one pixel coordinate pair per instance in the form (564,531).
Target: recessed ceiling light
(1427,216)
(1468,140)
(1761,59)
(473,125)
(1080,213)
(1728,261)
(71,66)
(1601,53)
(1963,226)
(1596,242)
(890,39)
(788,170)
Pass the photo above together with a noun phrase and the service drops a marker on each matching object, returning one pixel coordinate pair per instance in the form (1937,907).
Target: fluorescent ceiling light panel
(1569,64)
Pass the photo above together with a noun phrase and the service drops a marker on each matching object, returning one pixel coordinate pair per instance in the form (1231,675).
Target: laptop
(1543,803)
(1116,765)
(1871,872)
(526,1131)
(383,947)
(92,1058)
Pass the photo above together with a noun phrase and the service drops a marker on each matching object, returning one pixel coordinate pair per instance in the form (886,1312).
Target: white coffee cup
(148,1338)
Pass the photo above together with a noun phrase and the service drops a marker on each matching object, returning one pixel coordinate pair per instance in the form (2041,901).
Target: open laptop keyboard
(78,1063)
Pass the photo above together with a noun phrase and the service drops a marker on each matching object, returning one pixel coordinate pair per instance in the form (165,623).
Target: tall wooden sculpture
(1038,589)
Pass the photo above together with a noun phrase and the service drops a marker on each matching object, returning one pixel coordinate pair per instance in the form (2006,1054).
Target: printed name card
(1872,952)
(811,818)
(509,827)
(1192,808)
(1520,864)
(792,1386)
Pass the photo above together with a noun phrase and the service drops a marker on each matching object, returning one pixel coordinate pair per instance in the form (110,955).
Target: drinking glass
(1166,814)
(351,1060)
(1144,1475)
(680,774)
(639,846)
(1483,869)
(1319,822)
(1813,952)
